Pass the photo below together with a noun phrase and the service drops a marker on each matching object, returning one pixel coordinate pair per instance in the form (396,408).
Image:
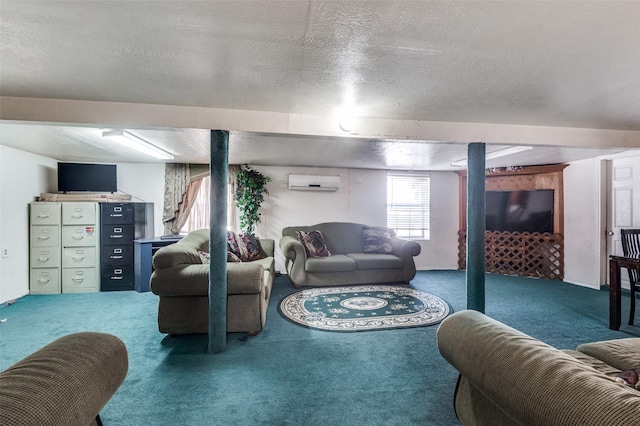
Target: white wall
(23,176)
(362,199)
(583,231)
(145,183)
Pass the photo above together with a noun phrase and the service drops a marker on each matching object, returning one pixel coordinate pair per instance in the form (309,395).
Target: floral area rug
(363,308)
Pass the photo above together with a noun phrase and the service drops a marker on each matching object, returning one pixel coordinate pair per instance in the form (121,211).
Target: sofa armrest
(405,249)
(268,246)
(66,382)
(293,249)
(174,255)
(530,381)
(245,278)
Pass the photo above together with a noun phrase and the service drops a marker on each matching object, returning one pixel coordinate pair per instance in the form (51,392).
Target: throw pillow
(376,240)
(630,377)
(204,256)
(249,248)
(314,243)
(231,257)
(232,243)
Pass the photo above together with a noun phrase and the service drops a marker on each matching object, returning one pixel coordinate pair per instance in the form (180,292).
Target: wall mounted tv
(87,177)
(520,211)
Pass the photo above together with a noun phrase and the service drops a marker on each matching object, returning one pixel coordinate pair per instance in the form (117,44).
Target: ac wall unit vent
(314,182)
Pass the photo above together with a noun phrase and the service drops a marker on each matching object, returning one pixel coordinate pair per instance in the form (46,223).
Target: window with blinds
(408,204)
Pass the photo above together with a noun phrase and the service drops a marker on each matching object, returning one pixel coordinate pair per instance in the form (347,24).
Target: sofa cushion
(333,263)
(623,354)
(376,240)
(376,261)
(314,243)
(599,365)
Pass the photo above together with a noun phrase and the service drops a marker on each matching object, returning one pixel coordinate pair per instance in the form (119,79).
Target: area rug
(363,308)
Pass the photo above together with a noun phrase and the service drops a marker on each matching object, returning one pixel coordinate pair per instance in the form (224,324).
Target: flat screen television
(520,211)
(87,177)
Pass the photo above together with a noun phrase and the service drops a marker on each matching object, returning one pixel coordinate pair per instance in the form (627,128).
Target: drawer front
(116,213)
(45,213)
(45,236)
(44,281)
(79,280)
(79,257)
(80,235)
(78,213)
(116,255)
(120,235)
(45,257)
(117,278)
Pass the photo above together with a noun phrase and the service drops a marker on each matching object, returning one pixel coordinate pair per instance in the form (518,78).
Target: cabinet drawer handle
(77,216)
(43,237)
(116,257)
(77,280)
(78,237)
(116,236)
(116,215)
(43,216)
(43,280)
(43,259)
(78,258)
(116,278)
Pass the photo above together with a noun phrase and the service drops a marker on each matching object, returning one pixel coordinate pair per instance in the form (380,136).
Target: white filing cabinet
(44,276)
(80,247)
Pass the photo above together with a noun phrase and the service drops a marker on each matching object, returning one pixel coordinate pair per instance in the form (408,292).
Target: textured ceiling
(549,63)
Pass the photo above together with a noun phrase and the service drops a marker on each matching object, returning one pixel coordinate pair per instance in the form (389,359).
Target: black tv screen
(87,177)
(520,211)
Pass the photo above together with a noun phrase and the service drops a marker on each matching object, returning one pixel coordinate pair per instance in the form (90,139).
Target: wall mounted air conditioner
(314,182)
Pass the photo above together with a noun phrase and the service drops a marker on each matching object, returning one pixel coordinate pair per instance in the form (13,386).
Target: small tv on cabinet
(520,211)
(74,177)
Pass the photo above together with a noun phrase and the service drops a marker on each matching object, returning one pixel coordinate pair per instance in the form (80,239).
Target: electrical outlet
(5,252)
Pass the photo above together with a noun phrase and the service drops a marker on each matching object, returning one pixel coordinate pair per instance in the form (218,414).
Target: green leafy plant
(251,187)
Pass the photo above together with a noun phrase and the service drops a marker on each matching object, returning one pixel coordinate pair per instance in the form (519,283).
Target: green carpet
(291,375)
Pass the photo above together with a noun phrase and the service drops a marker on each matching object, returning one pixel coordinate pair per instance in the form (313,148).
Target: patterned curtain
(179,192)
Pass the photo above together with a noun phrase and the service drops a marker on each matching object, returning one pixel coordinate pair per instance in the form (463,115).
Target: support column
(476,225)
(219,166)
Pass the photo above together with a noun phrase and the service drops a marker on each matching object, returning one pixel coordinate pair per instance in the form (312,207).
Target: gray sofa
(67,382)
(347,264)
(510,378)
(182,282)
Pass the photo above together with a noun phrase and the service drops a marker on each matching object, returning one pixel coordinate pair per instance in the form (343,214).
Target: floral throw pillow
(249,248)
(204,256)
(231,257)
(232,243)
(376,240)
(314,243)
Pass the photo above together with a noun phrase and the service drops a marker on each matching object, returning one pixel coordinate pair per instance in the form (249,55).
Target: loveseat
(510,378)
(349,259)
(67,382)
(181,279)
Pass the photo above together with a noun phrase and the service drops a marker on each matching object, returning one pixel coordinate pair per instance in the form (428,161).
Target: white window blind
(408,204)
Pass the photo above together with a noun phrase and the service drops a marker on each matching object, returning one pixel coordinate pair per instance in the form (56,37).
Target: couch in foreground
(181,279)
(64,383)
(353,258)
(510,378)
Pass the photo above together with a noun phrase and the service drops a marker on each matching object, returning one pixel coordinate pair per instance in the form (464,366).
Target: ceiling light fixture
(495,154)
(130,140)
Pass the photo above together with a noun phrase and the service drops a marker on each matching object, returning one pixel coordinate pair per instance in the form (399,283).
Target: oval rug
(363,308)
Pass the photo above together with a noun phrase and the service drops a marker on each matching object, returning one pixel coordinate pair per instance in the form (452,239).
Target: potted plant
(251,187)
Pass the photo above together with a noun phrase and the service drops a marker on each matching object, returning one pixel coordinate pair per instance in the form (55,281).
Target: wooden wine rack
(519,253)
